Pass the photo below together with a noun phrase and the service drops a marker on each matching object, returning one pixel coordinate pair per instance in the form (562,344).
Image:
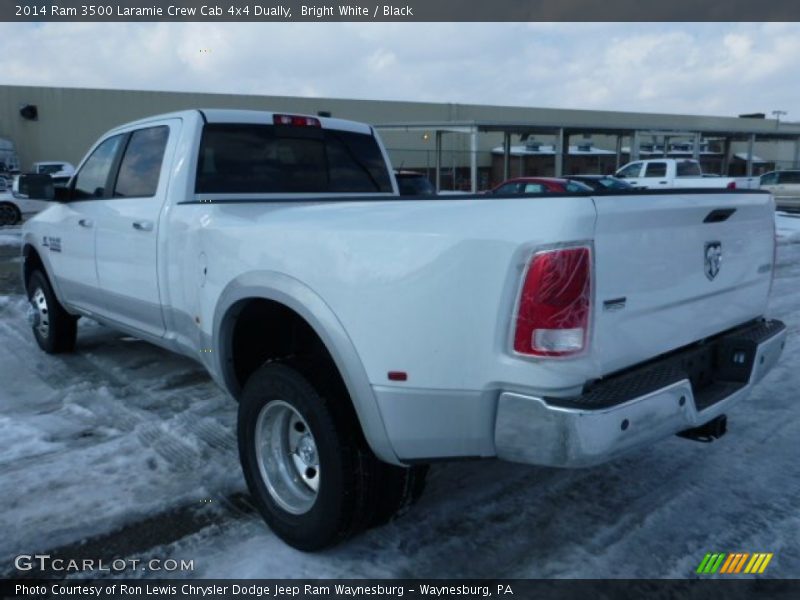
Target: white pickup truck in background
(667,173)
(366,334)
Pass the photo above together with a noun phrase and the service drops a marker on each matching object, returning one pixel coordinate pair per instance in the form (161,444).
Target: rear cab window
(273,159)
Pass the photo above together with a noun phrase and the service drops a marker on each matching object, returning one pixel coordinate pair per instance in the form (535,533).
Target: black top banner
(401,11)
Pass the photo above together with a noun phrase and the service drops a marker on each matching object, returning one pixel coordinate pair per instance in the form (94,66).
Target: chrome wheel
(287,457)
(40,314)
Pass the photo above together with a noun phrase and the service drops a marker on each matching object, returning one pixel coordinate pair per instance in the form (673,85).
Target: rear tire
(54,328)
(310,472)
(9,214)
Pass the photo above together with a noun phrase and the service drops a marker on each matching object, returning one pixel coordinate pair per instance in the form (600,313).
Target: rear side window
(656,169)
(688,168)
(510,188)
(534,188)
(577,186)
(259,159)
(92,178)
(789,177)
(141,164)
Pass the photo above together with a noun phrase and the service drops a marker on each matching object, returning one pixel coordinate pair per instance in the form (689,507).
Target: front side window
(259,159)
(141,164)
(769,179)
(632,170)
(656,169)
(91,180)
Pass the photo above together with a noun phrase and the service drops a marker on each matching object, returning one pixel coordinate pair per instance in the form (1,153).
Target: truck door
(655,176)
(127,231)
(631,173)
(70,240)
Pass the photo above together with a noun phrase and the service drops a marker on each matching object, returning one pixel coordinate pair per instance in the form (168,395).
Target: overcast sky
(721,69)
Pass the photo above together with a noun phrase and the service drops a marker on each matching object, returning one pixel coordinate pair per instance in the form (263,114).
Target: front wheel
(54,328)
(9,214)
(311,474)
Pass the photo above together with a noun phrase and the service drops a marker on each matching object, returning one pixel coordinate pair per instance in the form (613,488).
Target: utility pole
(778,114)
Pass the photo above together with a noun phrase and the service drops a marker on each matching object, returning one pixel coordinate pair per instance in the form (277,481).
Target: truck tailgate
(675,268)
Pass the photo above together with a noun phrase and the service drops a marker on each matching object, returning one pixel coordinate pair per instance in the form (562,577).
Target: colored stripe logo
(734,563)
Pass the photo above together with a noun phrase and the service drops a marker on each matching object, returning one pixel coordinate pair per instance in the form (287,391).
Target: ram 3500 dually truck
(366,335)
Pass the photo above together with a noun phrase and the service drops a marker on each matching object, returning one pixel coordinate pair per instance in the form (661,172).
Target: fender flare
(28,244)
(294,294)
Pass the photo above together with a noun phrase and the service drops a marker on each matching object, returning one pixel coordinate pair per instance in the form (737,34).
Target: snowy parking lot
(123,450)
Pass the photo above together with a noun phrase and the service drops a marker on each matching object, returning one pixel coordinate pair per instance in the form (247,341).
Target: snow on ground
(125,450)
(10,235)
(787,227)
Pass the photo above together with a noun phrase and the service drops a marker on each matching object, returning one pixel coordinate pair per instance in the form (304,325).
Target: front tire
(309,470)
(9,214)
(54,328)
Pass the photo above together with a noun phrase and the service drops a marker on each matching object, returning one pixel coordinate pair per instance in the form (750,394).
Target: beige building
(69,120)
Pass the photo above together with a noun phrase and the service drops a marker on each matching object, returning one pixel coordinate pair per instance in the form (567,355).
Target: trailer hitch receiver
(707,432)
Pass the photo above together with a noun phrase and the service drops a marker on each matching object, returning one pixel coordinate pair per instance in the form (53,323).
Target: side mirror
(62,193)
(35,187)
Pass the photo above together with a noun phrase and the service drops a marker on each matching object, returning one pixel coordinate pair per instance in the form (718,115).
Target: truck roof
(262,117)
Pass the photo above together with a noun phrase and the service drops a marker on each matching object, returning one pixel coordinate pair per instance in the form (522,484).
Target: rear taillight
(296,121)
(554,304)
(731,185)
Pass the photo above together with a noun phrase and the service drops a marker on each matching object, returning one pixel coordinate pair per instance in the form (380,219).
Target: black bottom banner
(330,589)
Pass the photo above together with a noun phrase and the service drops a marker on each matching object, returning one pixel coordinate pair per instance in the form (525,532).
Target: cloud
(694,68)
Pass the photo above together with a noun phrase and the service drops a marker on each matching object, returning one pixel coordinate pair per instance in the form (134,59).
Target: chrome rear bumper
(534,430)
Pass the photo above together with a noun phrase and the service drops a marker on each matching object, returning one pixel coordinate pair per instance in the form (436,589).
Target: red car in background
(538,185)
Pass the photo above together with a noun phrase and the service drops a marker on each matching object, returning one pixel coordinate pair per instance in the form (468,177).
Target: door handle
(662,182)
(85,222)
(143,225)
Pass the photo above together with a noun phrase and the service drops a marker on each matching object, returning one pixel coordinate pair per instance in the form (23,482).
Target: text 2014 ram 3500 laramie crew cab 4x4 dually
(366,335)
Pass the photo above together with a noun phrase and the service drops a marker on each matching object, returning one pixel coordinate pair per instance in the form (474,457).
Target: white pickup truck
(667,173)
(366,335)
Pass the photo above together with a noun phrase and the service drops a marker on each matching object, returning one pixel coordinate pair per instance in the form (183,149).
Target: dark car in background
(603,182)
(540,185)
(413,183)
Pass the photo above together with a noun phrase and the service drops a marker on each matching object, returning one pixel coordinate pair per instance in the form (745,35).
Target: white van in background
(785,186)
(59,170)
(9,162)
